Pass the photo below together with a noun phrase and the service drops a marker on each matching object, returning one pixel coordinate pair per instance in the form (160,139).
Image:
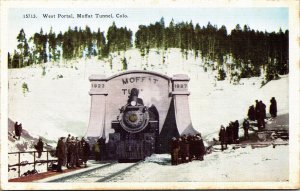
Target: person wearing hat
(69,138)
(251,113)
(262,115)
(72,153)
(273,107)
(191,142)
(18,130)
(85,151)
(236,126)
(133,97)
(175,151)
(39,147)
(229,133)
(184,149)
(60,153)
(258,113)
(246,126)
(200,147)
(77,152)
(223,138)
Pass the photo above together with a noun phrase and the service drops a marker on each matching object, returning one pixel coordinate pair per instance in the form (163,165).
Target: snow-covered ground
(244,164)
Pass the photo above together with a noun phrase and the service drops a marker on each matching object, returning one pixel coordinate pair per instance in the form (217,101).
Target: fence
(20,164)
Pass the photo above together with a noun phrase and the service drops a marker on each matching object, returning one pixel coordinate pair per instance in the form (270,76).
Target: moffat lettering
(139,79)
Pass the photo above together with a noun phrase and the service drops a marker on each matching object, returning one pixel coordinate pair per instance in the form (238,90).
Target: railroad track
(101,174)
(113,175)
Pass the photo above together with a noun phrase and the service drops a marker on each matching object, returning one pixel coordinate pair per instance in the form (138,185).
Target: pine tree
(43,41)
(112,38)
(23,49)
(125,65)
(59,42)
(9,62)
(52,45)
(88,41)
(67,45)
(100,42)
(16,60)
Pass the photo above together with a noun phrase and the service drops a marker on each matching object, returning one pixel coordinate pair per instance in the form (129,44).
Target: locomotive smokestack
(133,98)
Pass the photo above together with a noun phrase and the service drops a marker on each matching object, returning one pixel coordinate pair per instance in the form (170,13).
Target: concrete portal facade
(169,95)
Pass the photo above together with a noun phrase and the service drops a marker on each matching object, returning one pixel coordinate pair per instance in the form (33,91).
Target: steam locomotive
(136,131)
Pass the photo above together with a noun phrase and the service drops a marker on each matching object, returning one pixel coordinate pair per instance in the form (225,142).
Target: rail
(20,164)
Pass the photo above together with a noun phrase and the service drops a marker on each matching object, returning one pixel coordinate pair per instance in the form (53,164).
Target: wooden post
(34,160)
(47,160)
(19,161)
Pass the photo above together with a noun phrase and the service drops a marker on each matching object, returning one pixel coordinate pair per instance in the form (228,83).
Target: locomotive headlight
(133,103)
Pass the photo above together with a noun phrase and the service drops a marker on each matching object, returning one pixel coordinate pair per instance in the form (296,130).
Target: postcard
(149,94)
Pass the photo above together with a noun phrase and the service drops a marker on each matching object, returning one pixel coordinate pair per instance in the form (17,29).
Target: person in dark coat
(236,126)
(39,147)
(80,149)
(77,152)
(60,153)
(184,149)
(85,152)
(191,142)
(263,109)
(72,153)
(262,114)
(200,147)
(273,107)
(229,133)
(134,93)
(68,153)
(18,130)
(195,146)
(246,126)
(174,151)
(102,147)
(68,138)
(223,138)
(258,113)
(96,150)
(251,113)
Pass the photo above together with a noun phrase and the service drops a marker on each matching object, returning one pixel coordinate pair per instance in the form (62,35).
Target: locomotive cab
(136,131)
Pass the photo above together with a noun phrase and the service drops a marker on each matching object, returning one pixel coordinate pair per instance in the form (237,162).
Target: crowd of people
(230,134)
(187,148)
(258,113)
(71,152)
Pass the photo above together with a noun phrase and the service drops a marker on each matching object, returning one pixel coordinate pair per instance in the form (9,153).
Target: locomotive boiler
(136,131)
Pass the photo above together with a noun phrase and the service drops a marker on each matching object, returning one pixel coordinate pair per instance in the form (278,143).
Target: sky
(263,19)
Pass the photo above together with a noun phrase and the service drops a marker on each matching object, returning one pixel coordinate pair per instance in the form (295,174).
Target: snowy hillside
(58,103)
(26,143)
